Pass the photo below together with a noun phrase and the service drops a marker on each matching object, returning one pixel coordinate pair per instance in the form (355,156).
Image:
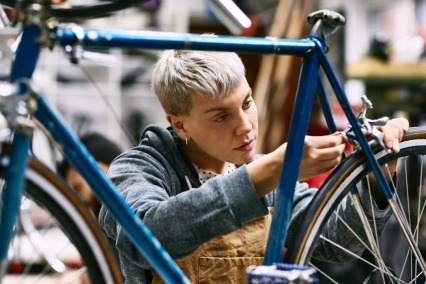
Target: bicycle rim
(394,261)
(86,11)
(57,239)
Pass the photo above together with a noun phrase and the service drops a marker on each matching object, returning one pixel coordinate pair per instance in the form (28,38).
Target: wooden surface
(373,70)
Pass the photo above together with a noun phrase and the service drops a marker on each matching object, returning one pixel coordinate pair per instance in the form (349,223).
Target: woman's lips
(246,146)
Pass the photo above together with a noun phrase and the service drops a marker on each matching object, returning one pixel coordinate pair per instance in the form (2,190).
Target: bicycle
(352,171)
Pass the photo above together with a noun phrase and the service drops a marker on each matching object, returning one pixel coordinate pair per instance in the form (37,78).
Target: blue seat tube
(290,170)
(23,67)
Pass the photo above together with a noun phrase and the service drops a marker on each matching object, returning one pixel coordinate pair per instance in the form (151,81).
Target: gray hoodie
(160,184)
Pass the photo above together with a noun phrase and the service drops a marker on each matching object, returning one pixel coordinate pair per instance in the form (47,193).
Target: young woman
(198,185)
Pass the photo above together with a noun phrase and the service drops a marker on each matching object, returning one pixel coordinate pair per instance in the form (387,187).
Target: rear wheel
(393,260)
(57,238)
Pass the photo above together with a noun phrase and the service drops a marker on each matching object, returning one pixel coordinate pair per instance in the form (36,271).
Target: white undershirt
(205,175)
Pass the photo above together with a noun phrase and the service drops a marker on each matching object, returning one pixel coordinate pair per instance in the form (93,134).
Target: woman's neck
(204,161)
(217,169)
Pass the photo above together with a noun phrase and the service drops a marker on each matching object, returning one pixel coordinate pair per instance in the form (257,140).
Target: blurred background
(380,52)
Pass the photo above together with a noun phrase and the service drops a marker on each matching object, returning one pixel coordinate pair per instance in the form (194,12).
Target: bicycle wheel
(393,260)
(83,11)
(57,240)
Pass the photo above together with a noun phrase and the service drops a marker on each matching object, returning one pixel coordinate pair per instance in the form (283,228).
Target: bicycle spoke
(37,242)
(398,260)
(353,233)
(45,239)
(323,273)
(374,252)
(408,235)
(367,229)
(386,272)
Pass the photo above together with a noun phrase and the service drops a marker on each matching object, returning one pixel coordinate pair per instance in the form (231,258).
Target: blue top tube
(163,40)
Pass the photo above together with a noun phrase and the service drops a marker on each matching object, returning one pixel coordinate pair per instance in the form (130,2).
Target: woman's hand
(323,153)
(393,131)
(320,154)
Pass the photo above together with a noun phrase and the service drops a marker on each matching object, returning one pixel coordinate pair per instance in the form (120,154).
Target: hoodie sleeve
(180,219)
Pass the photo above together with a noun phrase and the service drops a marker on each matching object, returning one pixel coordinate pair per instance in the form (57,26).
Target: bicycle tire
(350,172)
(78,225)
(84,11)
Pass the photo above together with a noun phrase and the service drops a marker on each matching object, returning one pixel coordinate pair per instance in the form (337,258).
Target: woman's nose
(244,124)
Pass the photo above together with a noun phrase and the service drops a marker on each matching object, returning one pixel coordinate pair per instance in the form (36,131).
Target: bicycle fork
(368,124)
(14,164)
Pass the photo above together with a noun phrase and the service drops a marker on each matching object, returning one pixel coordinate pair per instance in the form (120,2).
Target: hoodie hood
(168,144)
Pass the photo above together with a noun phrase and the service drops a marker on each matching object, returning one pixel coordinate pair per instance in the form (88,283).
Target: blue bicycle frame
(310,49)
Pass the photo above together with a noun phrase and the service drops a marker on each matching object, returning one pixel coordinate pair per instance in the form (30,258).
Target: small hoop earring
(186,141)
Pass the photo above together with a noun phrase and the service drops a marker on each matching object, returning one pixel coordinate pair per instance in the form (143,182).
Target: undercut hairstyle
(180,73)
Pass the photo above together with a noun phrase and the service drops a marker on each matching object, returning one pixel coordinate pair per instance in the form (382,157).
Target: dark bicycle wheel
(87,11)
(390,259)
(57,238)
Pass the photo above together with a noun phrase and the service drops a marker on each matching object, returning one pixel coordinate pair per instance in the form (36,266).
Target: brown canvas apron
(225,259)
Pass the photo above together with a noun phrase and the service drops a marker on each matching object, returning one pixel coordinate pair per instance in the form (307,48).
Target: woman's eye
(247,104)
(77,187)
(221,118)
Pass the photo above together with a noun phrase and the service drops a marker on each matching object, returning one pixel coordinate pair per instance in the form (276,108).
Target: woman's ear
(177,123)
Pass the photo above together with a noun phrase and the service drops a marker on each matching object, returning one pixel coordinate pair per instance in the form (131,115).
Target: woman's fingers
(393,132)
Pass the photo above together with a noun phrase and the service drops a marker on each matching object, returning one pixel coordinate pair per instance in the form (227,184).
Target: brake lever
(368,125)
(374,132)
(76,51)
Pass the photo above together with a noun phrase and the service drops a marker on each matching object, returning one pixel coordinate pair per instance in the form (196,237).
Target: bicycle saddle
(329,18)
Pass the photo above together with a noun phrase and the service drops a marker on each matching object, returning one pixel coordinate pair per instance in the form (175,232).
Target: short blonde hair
(180,73)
